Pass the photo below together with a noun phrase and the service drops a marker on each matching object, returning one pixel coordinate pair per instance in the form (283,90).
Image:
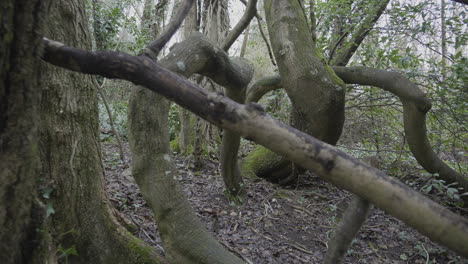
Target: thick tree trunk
(316,93)
(71,182)
(20,213)
(184,237)
(70,154)
(343,45)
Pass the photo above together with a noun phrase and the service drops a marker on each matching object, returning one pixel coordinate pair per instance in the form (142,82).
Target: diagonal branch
(262,33)
(347,49)
(251,122)
(156,46)
(249,13)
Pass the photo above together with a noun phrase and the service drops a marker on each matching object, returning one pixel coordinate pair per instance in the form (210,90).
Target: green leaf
(50,210)
(46,192)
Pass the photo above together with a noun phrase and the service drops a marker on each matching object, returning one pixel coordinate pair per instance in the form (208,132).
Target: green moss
(258,159)
(175,145)
(141,252)
(334,77)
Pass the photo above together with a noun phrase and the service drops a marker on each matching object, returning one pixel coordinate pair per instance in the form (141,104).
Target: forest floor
(276,224)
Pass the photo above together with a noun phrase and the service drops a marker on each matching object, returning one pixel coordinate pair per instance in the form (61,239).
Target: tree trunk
(352,220)
(185,117)
(316,93)
(184,236)
(71,158)
(20,212)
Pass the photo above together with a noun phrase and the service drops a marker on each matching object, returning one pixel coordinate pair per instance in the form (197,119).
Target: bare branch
(262,33)
(465,2)
(156,46)
(251,122)
(249,13)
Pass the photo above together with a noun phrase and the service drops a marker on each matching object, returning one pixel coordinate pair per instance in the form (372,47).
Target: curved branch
(263,86)
(156,46)
(438,223)
(197,55)
(415,107)
(249,13)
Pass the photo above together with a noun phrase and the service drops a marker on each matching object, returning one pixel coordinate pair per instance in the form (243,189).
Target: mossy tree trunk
(71,158)
(185,238)
(316,93)
(59,203)
(346,37)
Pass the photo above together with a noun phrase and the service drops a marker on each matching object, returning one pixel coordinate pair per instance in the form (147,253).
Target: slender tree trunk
(244,42)
(185,117)
(185,239)
(352,220)
(215,24)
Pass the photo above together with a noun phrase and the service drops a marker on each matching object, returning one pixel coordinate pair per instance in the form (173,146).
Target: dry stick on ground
(429,218)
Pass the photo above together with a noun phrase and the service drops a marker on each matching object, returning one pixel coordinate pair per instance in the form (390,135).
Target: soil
(276,224)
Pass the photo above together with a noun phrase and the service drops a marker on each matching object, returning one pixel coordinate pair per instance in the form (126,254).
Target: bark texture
(185,238)
(185,117)
(316,94)
(20,214)
(71,158)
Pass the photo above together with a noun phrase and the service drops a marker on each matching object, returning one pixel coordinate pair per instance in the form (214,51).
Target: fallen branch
(249,121)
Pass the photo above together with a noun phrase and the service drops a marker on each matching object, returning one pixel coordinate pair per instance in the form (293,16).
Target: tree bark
(185,238)
(71,157)
(316,93)
(20,212)
(185,117)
